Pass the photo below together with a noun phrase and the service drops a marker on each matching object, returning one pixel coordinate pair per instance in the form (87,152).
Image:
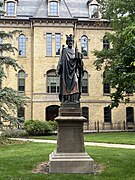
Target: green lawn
(111,137)
(17,162)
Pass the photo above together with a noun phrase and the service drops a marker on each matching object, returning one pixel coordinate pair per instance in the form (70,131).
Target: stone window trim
(6,7)
(54,14)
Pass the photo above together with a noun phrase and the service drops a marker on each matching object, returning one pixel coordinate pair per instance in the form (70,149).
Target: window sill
(85,94)
(85,57)
(49,15)
(13,16)
(106,94)
(21,93)
(21,56)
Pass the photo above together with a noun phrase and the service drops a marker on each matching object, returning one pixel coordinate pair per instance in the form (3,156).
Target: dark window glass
(106,43)
(85,113)
(21,81)
(106,86)
(21,114)
(1,41)
(49,44)
(10,8)
(22,45)
(84,45)
(85,83)
(58,43)
(52,82)
(53,8)
(107,114)
(130,114)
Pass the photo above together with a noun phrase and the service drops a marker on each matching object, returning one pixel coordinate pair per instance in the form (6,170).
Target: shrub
(37,128)
(14,133)
(54,125)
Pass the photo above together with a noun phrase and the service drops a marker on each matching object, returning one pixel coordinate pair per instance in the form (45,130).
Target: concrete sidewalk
(125,146)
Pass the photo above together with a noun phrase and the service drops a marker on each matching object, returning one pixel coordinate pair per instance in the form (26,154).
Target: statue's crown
(70,37)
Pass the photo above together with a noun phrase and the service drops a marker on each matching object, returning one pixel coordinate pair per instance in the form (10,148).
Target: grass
(111,137)
(18,160)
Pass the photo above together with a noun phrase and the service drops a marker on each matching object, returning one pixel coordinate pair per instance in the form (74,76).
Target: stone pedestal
(70,155)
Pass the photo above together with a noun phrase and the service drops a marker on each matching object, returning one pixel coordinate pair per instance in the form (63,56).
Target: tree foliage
(9,98)
(119,61)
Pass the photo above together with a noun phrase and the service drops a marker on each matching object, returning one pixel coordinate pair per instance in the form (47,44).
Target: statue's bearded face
(70,43)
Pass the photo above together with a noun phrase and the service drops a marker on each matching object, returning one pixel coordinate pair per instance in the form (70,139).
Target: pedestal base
(70,155)
(70,163)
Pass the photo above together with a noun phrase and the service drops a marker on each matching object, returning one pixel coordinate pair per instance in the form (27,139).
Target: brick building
(44,25)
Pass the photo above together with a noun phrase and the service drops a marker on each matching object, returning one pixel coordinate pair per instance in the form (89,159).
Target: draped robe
(67,68)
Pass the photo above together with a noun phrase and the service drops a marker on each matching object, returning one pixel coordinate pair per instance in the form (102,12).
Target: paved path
(125,146)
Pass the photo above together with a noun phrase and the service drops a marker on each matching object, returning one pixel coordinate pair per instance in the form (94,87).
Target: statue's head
(70,40)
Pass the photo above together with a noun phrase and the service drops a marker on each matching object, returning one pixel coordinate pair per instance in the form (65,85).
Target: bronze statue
(70,69)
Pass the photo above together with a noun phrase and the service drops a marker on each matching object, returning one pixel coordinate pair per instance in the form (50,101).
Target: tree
(9,98)
(119,61)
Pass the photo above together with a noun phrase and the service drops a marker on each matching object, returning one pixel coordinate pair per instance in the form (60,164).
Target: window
(130,115)
(85,113)
(106,86)
(10,8)
(1,41)
(94,9)
(106,43)
(84,45)
(22,45)
(53,8)
(52,82)
(21,81)
(52,112)
(49,44)
(21,114)
(107,115)
(58,43)
(85,82)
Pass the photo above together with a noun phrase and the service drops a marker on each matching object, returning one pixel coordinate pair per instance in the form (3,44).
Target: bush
(37,128)
(14,133)
(54,125)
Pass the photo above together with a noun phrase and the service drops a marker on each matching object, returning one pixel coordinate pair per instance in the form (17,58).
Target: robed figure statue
(70,69)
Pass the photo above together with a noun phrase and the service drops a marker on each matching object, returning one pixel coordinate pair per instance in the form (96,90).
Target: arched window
(52,82)
(106,43)
(53,8)
(107,115)
(22,45)
(106,86)
(21,81)
(84,45)
(85,113)
(85,82)
(52,112)
(130,115)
